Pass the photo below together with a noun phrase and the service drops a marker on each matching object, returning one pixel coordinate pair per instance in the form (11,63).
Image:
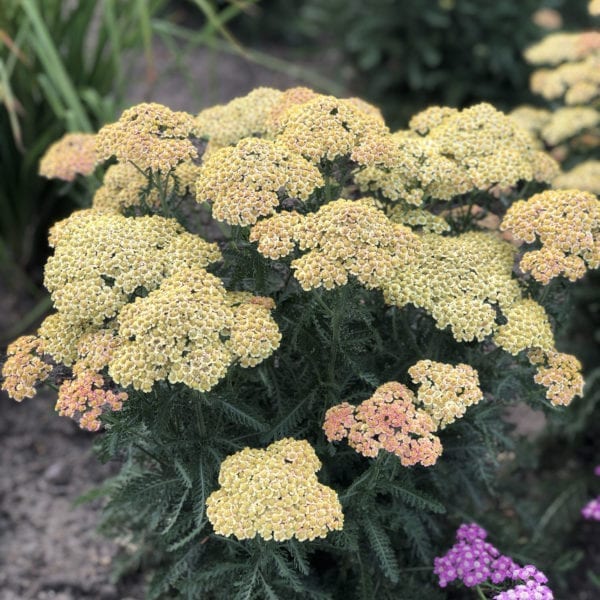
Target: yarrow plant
(299,331)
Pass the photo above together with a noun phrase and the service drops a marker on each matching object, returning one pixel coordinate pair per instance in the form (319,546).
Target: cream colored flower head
(567,225)
(527,326)
(190,331)
(585,176)
(227,124)
(559,373)
(446,391)
(327,128)
(101,260)
(460,281)
(343,238)
(149,135)
(248,181)
(274,493)
(74,154)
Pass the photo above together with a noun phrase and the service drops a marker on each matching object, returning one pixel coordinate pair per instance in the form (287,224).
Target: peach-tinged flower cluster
(563,47)
(390,421)
(342,238)
(559,373)
(188,331)
(274,493)
(527,327)
(247,181)
(74,154)
(149,135)
(100,260)
(446,391)
(226,124)
(585,176)
(460,281)
(449,152)
(24,367)
(567,224)
(327,128)
(124,187)
(85,397)
(567,122)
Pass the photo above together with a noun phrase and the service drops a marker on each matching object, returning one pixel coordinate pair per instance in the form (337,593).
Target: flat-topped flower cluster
(316,188)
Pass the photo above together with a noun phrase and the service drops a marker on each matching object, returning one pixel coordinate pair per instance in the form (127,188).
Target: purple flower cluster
(473,561)
(591,510)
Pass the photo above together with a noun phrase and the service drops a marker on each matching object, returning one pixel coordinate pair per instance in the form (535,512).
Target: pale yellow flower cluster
(417,218)
(187,331)
(559,373)
(74,154)
(224,125)
(578,82)
(567,225)
(563,47)
(100,260)
(390,421)
(247,181)
(274,493)
(342,238)
(449,152)
(327,128)
(124,187)
(585,176)
(149,135)
(300,95)
(527,326)
(24,367)
(594,8)
(460,281)
(569,121)
(446,391)
(531,118)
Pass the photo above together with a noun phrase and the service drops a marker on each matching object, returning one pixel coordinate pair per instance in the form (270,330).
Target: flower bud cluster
(390,421)
(274,493)
(74,154)
(247,181)
(474,561)
(344,237)
(24,367)
(559,373)
(567,224)
(149,135)
(446,391)
(460,281)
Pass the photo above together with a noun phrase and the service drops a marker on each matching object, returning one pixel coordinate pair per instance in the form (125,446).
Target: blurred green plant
(404,55)
(62,69)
